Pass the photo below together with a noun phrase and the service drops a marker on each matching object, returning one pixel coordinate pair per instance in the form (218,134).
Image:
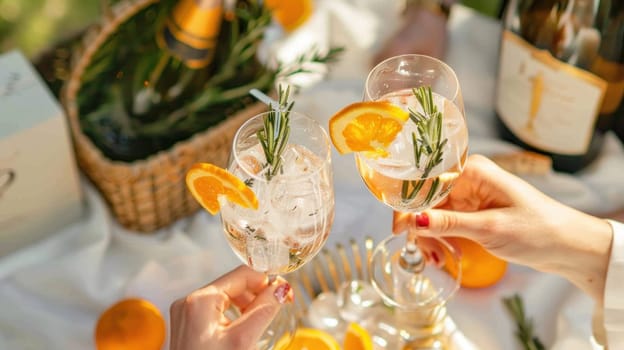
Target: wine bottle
(618,123)
(560,77)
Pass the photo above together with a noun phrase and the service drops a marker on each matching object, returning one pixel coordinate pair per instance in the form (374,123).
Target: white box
(39,182)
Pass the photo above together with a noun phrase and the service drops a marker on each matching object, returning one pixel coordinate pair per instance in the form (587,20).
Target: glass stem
(272,277)
(411,258)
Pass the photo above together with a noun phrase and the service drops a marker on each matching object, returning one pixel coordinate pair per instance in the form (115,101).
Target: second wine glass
(423,161)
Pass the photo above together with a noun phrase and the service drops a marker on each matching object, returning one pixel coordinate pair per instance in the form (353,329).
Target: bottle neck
(191,31)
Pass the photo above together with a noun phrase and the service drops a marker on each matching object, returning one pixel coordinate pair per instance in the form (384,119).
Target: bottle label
(546,103)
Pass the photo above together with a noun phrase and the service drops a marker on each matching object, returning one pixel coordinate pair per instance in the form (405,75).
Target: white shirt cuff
(614,290)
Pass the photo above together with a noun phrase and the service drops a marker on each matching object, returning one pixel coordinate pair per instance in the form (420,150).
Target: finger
(176,322)
(444,223)
(243,300)
(254,321)
(400,221)
(240,280)
(432,249)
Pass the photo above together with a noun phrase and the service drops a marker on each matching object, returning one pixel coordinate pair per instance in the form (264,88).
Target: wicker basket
(148,194)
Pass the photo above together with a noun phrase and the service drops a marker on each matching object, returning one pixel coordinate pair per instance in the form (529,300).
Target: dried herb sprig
(275,132)
(428,143)
(524,325)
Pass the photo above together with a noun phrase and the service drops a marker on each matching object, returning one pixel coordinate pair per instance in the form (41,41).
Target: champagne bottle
(171,69)
(561,77)
(187,44)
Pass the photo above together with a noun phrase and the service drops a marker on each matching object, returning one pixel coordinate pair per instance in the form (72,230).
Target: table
(52,293)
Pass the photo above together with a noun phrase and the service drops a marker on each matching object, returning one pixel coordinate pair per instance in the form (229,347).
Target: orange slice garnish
(131,324)
(368,127)
(357,338)
(207,182)
(290,14)
(307,339)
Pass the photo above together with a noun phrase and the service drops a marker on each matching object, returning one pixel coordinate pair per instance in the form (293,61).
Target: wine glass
(424,161)
(296,204)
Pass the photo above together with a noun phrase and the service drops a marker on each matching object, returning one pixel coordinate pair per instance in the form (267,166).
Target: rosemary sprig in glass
(274,135)
(428,144)
(524,325)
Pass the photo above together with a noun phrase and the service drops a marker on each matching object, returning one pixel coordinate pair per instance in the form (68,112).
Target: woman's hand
(518,223)
(198,321)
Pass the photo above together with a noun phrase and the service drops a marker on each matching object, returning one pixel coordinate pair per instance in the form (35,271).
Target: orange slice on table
(357,338)
(368,127)
(131,324)
(290,14)
(308,339)
(207,182)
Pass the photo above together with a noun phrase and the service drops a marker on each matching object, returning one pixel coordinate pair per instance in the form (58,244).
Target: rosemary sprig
(274,135)
(428,144)
(306,62)
(524,325)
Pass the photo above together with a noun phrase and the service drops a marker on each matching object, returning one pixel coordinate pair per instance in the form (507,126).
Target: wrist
(583,254)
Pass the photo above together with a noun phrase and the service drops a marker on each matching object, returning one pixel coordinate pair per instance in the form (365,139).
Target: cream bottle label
(546,103)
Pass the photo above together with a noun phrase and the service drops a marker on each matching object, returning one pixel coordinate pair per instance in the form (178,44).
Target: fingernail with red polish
(435,258)
(281,293)
(422,220)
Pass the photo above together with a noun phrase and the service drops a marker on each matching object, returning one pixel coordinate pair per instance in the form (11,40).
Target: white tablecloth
(51,293)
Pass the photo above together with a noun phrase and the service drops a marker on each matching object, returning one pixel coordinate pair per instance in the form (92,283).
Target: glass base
(389,327)
(421,290)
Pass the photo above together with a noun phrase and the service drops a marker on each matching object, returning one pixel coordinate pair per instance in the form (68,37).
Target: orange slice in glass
(368,127)
(290,14)
(207,182)
(357,338)
(131,324)
(307,339)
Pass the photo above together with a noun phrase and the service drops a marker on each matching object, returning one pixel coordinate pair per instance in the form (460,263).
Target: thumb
(443,223)
(261,311)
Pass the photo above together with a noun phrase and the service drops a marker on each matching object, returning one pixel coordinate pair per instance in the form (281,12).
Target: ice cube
(356,300)
(298,160)
(323,313)
(267,254)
